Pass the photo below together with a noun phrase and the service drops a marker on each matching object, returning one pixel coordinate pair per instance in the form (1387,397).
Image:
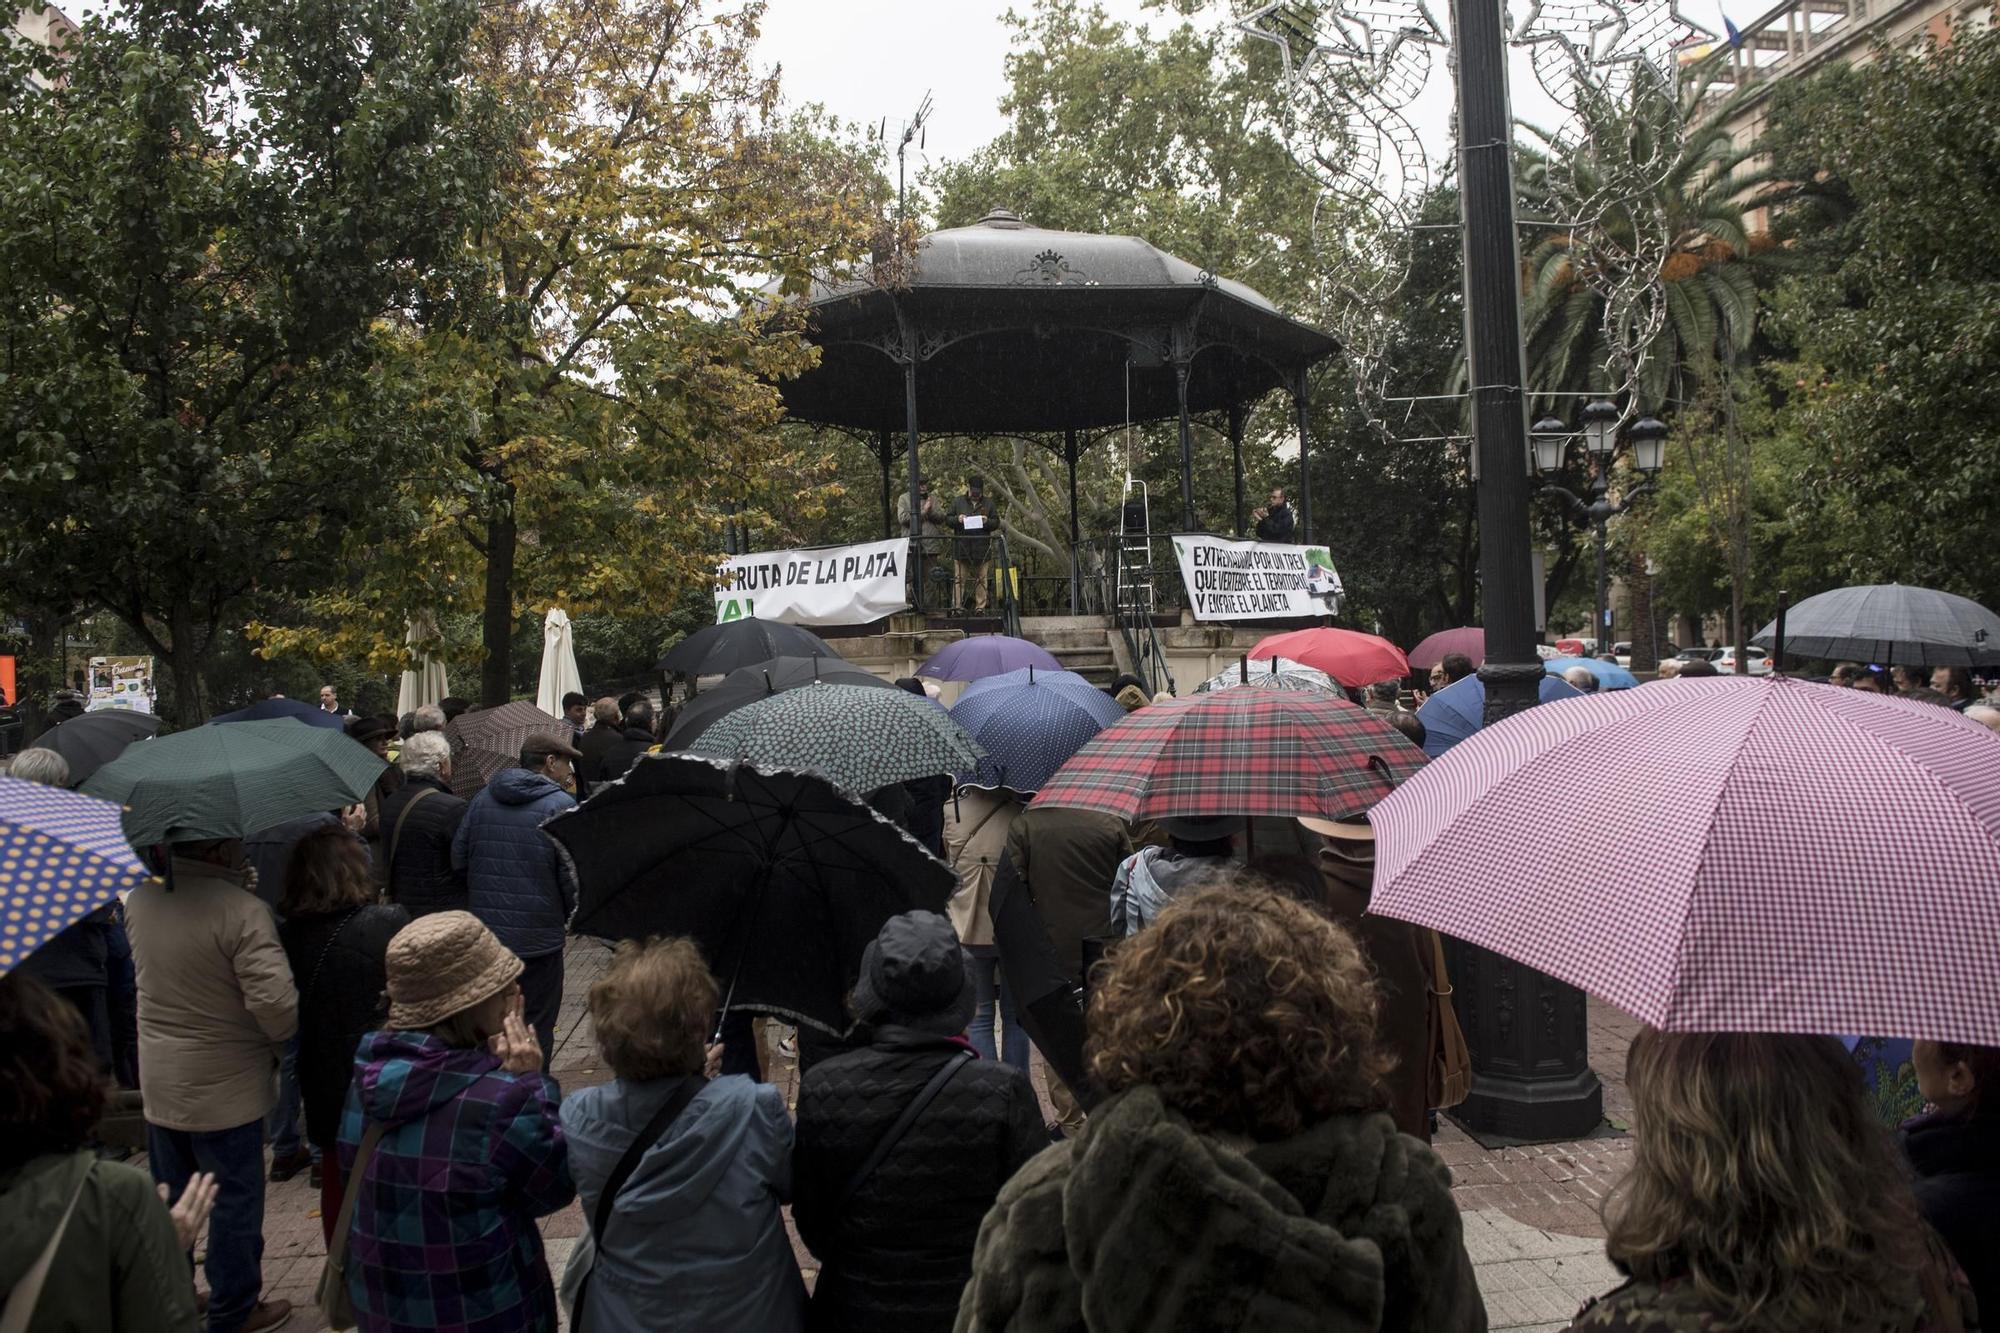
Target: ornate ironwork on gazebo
(1006,328)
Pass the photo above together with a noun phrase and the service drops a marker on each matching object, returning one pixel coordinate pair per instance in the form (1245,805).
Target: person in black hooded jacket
(896,1245)
(1954,1152)
(336,937)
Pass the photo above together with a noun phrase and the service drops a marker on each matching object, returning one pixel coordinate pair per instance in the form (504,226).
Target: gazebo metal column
(1236,418)
(885,448)
(1183,368)
(909,359)
(1075,528)
(1302,405)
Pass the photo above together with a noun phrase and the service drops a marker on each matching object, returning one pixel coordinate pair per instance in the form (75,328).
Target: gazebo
(1001,327)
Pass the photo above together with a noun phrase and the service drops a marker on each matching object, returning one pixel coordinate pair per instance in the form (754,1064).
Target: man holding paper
(972,518)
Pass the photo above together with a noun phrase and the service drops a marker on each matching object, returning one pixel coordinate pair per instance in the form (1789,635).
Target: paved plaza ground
(1531,1214)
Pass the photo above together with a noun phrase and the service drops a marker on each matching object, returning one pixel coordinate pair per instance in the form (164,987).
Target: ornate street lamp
(1648,438)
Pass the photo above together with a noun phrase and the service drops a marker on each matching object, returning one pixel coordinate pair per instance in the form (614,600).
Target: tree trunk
(187,660)
(1641,620)
(497,623)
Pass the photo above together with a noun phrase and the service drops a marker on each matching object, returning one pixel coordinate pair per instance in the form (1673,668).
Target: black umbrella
(1889,624)
(95,739)
(780,878)
(719,649)
(746,685)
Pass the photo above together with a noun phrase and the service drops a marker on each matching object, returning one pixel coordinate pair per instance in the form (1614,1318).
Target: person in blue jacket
(514,879)
(694,1238)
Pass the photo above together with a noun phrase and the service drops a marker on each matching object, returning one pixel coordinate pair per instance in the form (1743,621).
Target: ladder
(1135,550)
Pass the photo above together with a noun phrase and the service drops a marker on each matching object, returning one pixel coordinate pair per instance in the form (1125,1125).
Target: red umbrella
(1237,752)
(1349,656)
(1470,640)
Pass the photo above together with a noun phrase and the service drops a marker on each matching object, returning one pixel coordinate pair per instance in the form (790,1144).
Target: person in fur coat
(1241,1173)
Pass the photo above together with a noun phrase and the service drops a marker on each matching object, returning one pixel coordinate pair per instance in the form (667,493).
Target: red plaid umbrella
(1237,752)
(1349,656)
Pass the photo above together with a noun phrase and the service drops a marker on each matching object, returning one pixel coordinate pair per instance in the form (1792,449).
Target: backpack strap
(887,1143)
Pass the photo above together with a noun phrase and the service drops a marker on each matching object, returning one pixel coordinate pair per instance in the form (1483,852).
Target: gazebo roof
(1021,328)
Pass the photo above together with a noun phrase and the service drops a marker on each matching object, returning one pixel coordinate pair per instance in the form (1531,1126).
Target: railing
(1784,36)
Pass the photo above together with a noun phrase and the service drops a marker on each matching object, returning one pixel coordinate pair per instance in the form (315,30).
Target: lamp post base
(1529,1037)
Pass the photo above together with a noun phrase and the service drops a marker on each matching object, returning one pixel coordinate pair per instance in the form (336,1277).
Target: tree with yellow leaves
(618,331)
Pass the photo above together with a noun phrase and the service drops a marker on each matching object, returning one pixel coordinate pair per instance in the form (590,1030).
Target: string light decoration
(1352,68)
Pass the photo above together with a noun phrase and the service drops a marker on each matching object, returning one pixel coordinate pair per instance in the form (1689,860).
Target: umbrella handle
(748,936)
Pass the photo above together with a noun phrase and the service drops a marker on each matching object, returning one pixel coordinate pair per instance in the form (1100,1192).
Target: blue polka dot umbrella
(63,855)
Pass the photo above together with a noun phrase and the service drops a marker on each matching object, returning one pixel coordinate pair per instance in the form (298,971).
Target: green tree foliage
(212,219)
(1890,340)
(619,352)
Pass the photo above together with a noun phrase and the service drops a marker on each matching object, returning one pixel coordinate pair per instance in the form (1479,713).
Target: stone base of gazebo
(1091,646)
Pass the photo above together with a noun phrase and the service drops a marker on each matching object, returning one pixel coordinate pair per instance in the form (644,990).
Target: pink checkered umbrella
(1738,854)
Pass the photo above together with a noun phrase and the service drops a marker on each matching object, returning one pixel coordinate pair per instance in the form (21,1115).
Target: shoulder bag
(19,1310)
(663,1120)
(1451,1058)
(887,1143)
(396,840)
(334,1299)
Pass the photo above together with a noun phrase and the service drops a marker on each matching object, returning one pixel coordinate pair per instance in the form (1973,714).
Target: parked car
(1697,654)
(1623,651)
(1759,661)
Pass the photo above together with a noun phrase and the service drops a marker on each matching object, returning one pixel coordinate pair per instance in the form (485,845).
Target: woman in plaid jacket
(472,1151)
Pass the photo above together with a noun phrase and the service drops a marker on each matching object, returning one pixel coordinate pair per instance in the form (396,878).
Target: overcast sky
(870,59)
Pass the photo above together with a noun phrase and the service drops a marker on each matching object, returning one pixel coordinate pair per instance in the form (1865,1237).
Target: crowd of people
(372,995)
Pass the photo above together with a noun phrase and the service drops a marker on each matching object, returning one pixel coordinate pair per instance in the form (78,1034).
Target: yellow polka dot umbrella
(62,856)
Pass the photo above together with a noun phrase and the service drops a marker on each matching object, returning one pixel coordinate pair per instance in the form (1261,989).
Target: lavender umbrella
(1754,855)
(980,655)
(1470,640)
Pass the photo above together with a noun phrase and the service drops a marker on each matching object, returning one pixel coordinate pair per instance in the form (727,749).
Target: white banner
(824,585)
(1232,580)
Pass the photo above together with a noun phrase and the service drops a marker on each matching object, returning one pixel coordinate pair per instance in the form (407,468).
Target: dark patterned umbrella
(489,739)
(1238,752)
(717,650)
(746,685)
(858,739)
(1890,625)
(90,742)
(779,878)
(224,782)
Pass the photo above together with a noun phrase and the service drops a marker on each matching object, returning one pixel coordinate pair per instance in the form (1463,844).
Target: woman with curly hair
(116,1257)
(1765,1195)
(1241,1173)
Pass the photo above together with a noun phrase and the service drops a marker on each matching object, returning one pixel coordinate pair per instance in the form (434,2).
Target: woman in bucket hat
(894,1229)
(471,1148)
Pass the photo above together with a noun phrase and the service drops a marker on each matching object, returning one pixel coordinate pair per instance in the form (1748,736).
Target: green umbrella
(858,739)
(224,782)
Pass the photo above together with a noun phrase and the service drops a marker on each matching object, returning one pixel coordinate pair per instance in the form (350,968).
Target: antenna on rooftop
(913,131)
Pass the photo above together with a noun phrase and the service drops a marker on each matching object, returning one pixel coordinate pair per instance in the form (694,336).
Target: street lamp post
(1648,438)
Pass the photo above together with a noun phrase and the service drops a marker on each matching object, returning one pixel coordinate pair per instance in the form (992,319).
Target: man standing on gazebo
(972,518)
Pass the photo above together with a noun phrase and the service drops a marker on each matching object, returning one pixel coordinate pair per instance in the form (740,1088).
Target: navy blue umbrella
(1030,722)
(1459,709)
(266,710)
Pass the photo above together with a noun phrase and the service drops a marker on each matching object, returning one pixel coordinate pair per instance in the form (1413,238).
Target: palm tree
(1670,190)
